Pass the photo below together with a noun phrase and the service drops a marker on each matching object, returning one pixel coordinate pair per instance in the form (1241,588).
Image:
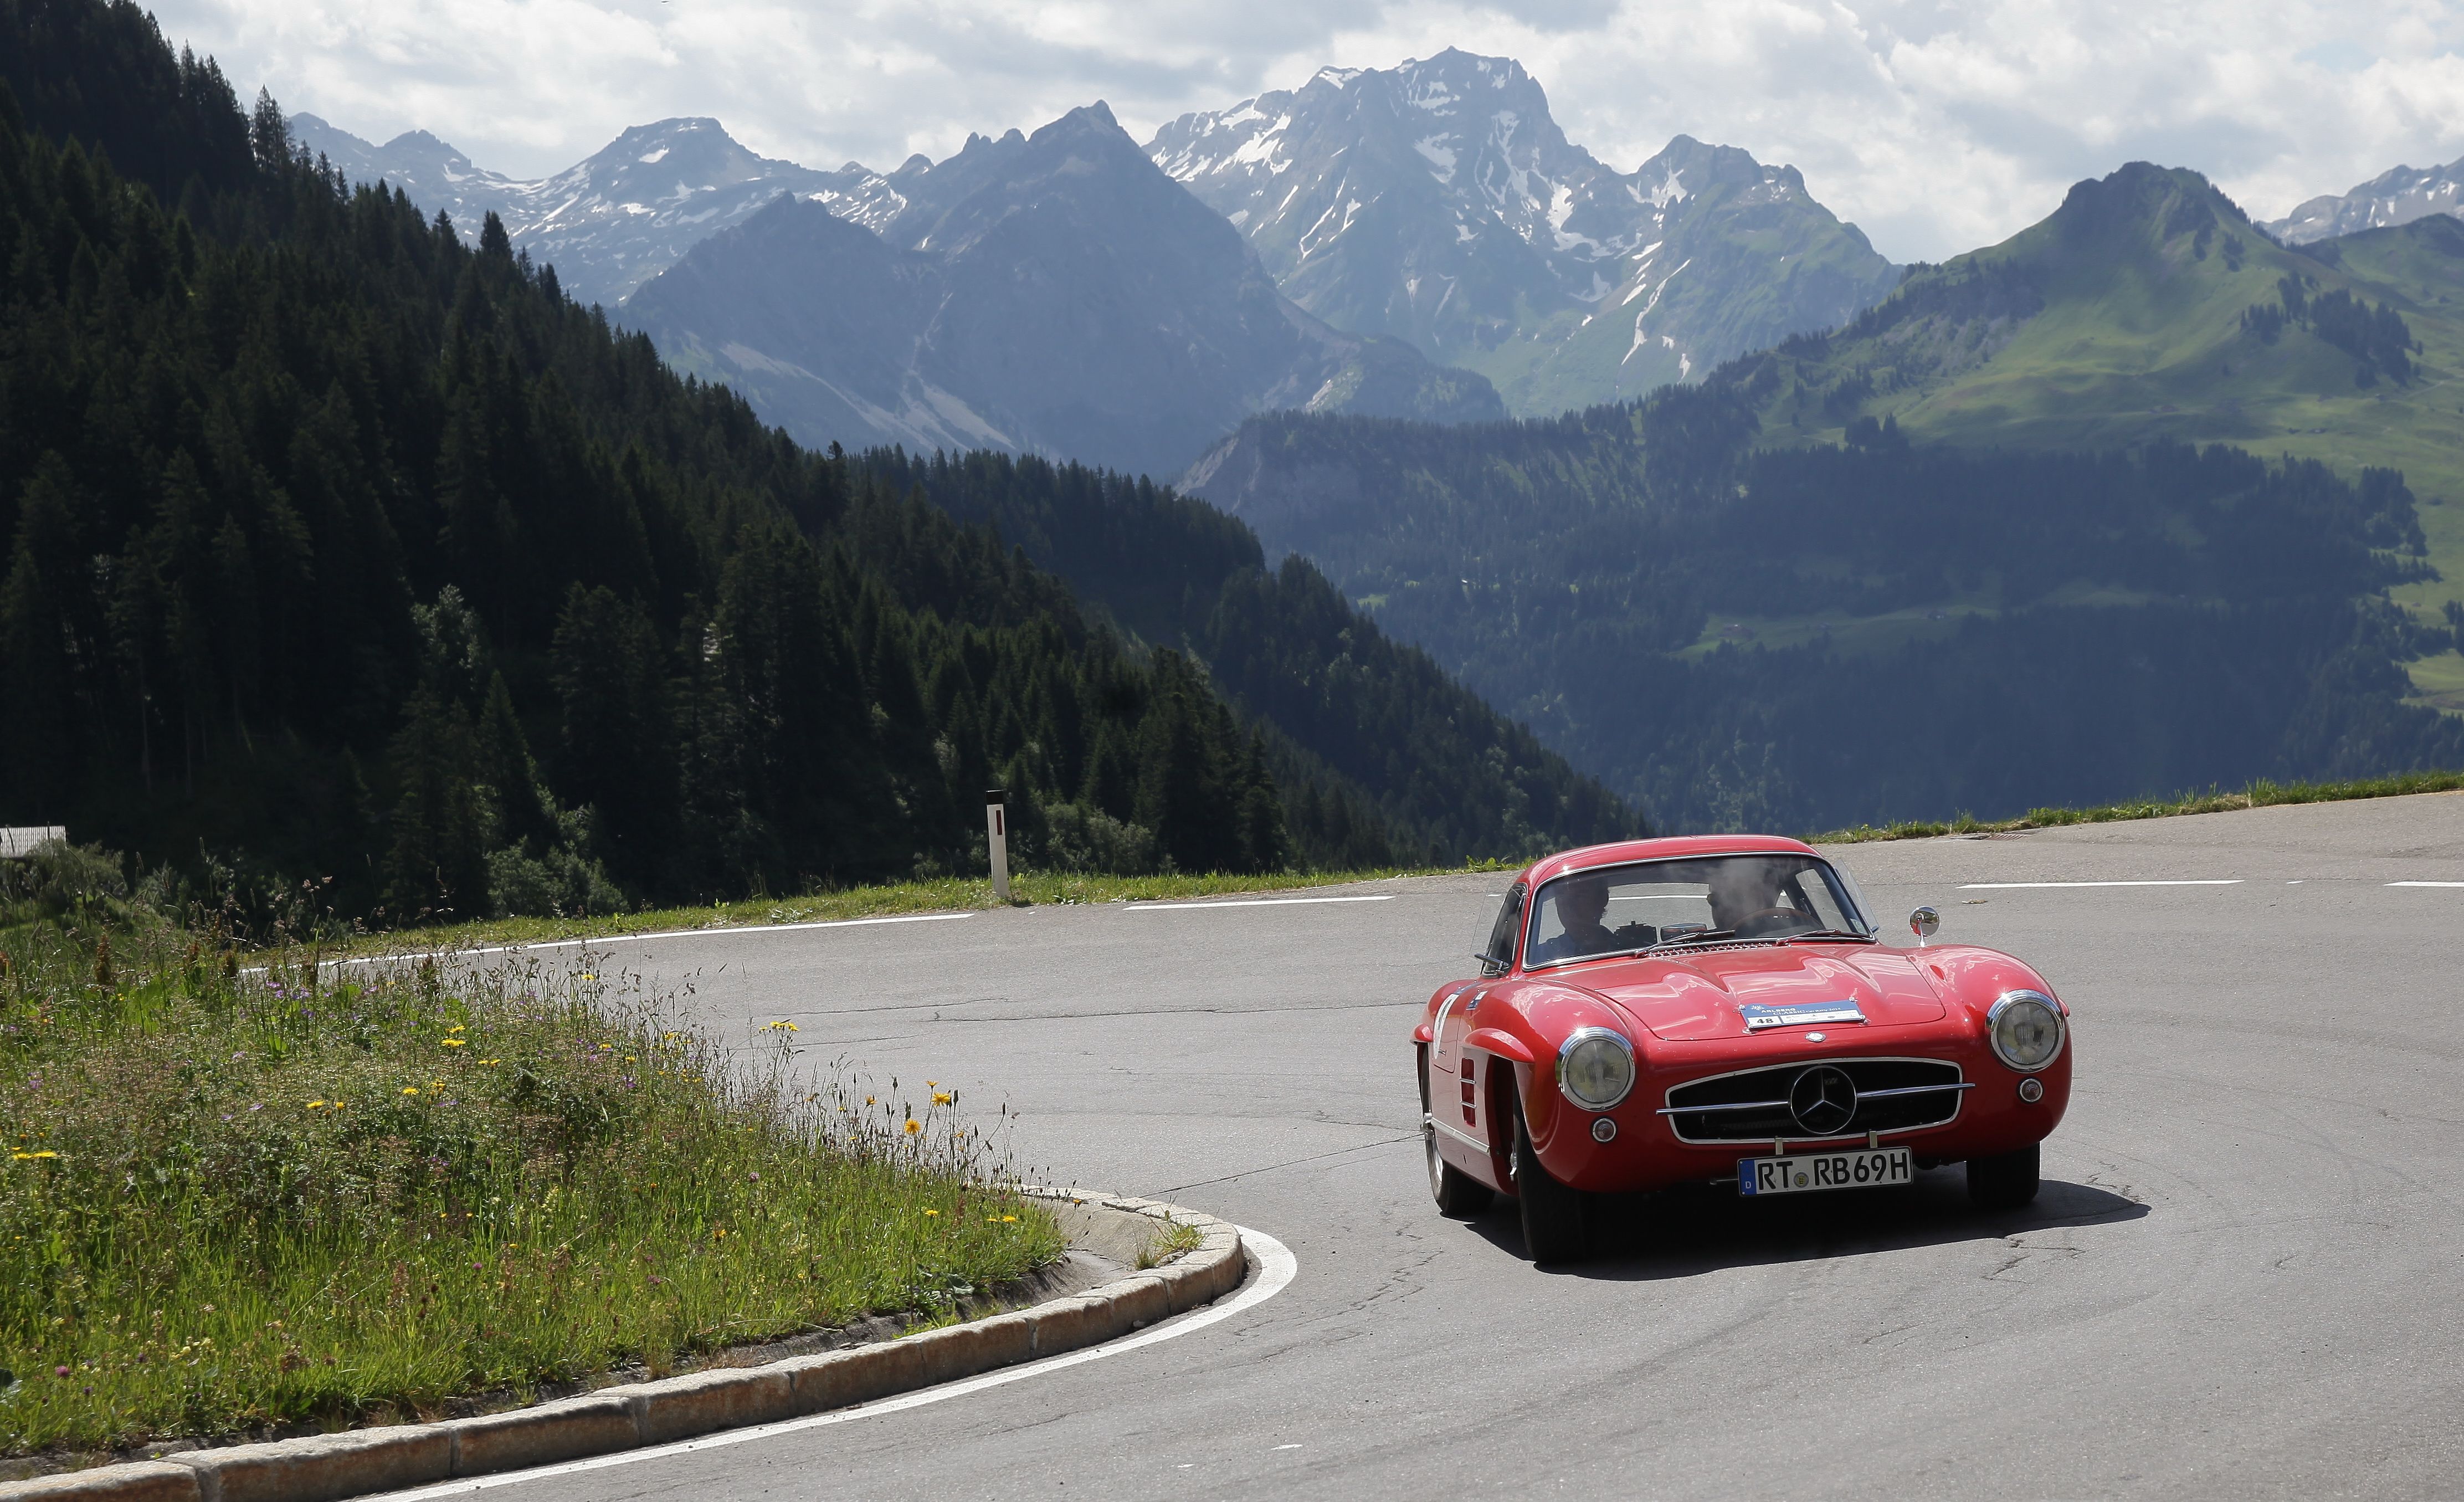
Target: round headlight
(1595,1067)
(2026,1030)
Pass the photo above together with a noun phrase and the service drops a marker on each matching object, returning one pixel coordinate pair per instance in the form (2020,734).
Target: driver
(1739,890)
(1580,901)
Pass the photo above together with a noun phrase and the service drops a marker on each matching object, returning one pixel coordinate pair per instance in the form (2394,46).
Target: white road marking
(1276,1268)
(1250,902)
(2018,885)
(2426,883)
(635,938)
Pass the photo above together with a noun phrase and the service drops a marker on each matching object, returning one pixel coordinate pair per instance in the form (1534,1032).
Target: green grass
(1875,635)
(241,1203)
(949,894)
(2261,794)
(2438,681)
(1173,1239)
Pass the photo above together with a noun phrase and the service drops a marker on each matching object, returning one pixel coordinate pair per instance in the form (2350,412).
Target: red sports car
(1719,1008)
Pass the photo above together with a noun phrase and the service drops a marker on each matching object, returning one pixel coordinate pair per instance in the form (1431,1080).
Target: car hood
(1697,997)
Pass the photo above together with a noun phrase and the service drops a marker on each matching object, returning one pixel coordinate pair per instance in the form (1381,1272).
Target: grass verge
(235,1203)
(953,894)
(2260,794)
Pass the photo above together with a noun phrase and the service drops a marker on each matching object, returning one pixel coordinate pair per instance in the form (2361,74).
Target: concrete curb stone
(325,1468)
(143,1481)
(348,1463)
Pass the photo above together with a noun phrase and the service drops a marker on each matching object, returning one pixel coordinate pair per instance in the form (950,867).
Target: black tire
(1554,1216)
(2004,1182)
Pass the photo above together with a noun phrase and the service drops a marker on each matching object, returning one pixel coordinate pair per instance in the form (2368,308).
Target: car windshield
(1622,908)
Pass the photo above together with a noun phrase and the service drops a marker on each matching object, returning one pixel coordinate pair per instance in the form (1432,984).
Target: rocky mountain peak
(2399,195)
(1054,292)
(608,223)
(1441,203)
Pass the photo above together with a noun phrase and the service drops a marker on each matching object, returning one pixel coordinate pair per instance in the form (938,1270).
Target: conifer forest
(342,552)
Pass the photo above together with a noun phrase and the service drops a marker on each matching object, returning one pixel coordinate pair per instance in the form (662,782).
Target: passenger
(1580,901)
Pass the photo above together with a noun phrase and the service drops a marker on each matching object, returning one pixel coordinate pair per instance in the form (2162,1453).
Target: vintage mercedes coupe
(1721,1010)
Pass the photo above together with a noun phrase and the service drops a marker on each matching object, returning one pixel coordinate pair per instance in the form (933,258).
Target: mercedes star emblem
(1823,1100)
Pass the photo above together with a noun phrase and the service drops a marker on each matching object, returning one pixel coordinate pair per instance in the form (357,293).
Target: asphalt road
(2242,1279)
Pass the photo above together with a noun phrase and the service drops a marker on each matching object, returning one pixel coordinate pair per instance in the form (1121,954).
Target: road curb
(324,1468)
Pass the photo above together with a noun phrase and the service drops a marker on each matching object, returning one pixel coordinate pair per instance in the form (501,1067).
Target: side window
(1499,957)
(1808,892)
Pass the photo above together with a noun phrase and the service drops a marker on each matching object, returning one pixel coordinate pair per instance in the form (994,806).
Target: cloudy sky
(1937,126)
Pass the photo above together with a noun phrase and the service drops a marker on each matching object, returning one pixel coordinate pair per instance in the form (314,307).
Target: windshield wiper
(1712,935)
(1830,933)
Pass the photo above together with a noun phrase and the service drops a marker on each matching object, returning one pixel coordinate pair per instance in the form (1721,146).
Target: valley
(1528,410)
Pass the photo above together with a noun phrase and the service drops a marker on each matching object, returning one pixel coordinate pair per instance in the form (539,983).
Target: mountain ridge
(1053,293)
(2398,195)
(1440,202)
(608,223)
(2145,307)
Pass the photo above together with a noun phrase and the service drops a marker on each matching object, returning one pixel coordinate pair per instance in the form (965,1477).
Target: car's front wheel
(2005,1181)
(1554,1215)
(1458,1193)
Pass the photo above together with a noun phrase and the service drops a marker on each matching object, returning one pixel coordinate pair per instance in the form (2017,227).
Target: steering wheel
(1769,919)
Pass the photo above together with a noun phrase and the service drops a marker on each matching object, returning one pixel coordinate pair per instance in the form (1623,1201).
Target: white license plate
(1801,1173)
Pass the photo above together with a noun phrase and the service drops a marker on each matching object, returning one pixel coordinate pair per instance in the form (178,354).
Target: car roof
(1625,852)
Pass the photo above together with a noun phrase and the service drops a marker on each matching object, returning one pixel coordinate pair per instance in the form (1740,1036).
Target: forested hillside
(2148,308)
(1743,636)
(340,551)
(1353,707)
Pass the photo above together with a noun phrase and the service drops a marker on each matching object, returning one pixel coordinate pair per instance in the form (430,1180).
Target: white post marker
(996,839)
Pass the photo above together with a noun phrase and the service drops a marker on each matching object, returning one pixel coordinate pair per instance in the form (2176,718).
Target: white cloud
(1936,126)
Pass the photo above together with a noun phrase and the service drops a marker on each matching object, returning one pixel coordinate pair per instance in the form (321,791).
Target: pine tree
(617,751)
(443,827)
(524,812)
(1264,845)
(40,648)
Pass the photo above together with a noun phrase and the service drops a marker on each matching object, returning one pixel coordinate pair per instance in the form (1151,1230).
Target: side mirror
(1922,922)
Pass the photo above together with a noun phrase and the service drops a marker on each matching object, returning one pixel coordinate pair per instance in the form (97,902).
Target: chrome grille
(1751,1105)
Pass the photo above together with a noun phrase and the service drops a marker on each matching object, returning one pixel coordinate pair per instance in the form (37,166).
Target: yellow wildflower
(411,1089)
(932,1212)
(913,1126)
(457,1043)
(940,1097)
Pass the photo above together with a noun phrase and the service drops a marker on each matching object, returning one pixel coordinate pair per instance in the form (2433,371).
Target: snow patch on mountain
(1441,154)
(608,223)
(2399,195)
